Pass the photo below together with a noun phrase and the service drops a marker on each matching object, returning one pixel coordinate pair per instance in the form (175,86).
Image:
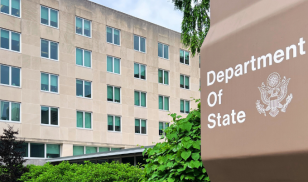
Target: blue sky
(160,12)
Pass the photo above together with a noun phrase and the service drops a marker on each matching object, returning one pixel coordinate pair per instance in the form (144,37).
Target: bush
(65,171)
(178,158)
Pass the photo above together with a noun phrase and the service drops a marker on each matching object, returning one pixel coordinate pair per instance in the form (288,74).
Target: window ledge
(163,58)
(7,121)
(89,129)
(140,51)
(163,84)
(141,134)
(185,64)
(114,73)
(113,102)
(50,59)
(84,66)
(12,86)
(57,28)
(56,93)
(185,88)
(140,107)
(140,79)
(114,44)
(11,15)
(10,50)
(114,131)
(84,97)
(84,35)
(57,126)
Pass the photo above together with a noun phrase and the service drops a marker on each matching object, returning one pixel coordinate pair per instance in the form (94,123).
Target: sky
(160,12)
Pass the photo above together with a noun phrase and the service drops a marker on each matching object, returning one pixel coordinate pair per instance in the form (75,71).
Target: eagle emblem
(272,94)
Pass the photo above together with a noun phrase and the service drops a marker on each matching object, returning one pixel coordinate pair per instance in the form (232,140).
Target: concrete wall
(31,63)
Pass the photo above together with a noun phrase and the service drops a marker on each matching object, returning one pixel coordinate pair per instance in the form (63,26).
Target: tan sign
(254,74)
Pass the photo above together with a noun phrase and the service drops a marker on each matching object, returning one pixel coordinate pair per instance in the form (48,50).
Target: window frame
(113,120)
(49,85)
(49,116)
(85,148)
(184,81)
(113,36)
(146,127)
(164,76)
(10,112)
(49,16)
(146,76)
(10,76)
(164,103)
(184,57)
(10,9)
(164,50)
(83,89)
(83,26)
(83,50)
(84,121)
(145,44)
(146,100)
(113,64)
(185,106)
(164,127)
(10,39)
(114,95)
(49,47)
(45,150)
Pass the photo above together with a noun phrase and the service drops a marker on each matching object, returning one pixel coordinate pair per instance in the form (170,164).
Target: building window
(113,65)
(49,49)
(83,57)
(49,115)
(37,150)
(184,81)
(140,126)
(10,40)
(184,57)
(139,43)
(113,36)
(10,75)
(184,106)
(11,7)
(84,119)
(10,111)
(83,27)
(140,99)
(113,94)
(49,16)
(114,123)
(83,88)
(163,51)
(162,127)
(163,103)
(80,150)
(49,82)
(163,77)
(139,71)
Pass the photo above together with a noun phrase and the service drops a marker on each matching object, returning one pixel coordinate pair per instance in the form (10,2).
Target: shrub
(65,171)
(178,158)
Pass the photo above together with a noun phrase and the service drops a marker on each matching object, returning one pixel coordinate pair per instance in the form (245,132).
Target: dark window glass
(44,48)
(44,15)
(128,160)
(37,150)
(116,94)
(160,76)
(110,123)
(160,50)
(136,42)
(15,8)
(5,75)
(109,35)
(78,25)
(137,125)
(5,110)
(117,123)
(53,151)
(44,82)
(140,160)
(136,70)
(181,56)
(166,51)
(161,127)
(142,44)
(5,6)
(44,115)
(142,72)
(53,18)
(53,50)
(53,83)
(116,36)
(15,41)
(143,127)
(5,39)
(109,93)
(186,57)
(87,89)
(24,149)
(54,116)
(87,28)
(79,88)
(15,76)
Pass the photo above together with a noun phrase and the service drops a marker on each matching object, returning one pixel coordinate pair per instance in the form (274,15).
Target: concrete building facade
(78,77)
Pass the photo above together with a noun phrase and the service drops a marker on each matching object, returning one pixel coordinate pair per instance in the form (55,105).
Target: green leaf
(195,156)
(171,180)
(197,144)
(185,155)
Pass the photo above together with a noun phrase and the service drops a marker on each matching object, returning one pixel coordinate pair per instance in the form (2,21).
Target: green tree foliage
(108,172)
(196,22)
(11,156)
(178,158)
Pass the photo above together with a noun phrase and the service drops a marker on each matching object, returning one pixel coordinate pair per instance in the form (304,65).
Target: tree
(178,158)
(196,22)
(11,161)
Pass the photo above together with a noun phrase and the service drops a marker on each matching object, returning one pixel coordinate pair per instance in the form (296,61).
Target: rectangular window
(184,106)
(113,94)
(9,75)
(140,126)
(49,49)
(11,7)
(10,111)
(49,82)
(162,127)
(163,103)
(113,65)
(163,51)
(83,88)
(163,77)
(114,123)
(78,150)
(84,119)
(184,57)
(140,71)
(49,16)
(40,150)
(10,40)
(83,27)
(49,115)
(37,150)
(83,57)
(139,43)
(140,99)
(184,81)
(113,36)
(53,151)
